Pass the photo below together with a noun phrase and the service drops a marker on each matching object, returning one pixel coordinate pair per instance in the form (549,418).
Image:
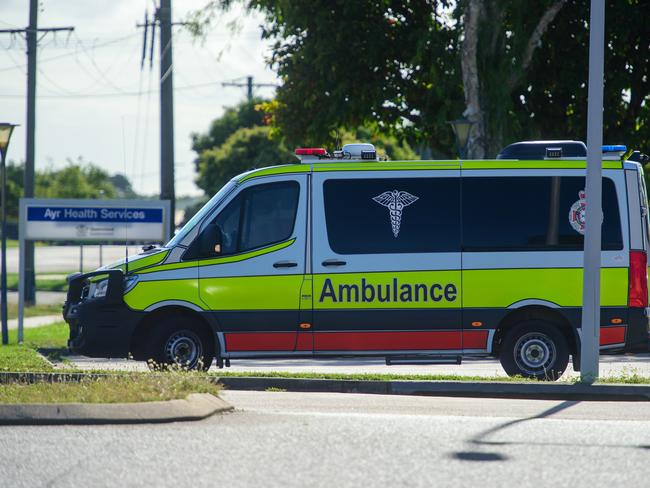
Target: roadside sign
(94,220)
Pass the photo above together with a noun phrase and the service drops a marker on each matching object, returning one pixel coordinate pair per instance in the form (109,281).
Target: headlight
(129,282)
(99,291)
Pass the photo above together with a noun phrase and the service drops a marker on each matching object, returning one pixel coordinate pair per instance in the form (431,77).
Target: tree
(245,149)
(78,179)
(499,40)
(244,115)
(364,63)
(553,95)
(122,185)
(517,69)
(238,142)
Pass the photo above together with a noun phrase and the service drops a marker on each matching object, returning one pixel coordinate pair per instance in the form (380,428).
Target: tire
(179,341)
(536,350)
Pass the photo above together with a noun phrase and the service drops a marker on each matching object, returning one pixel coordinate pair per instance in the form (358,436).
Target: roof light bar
(614,152)
(615,148)
(350,152)
(311,151)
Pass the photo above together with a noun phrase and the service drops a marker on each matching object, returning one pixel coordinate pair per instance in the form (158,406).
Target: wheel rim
(184,348)
(535,353)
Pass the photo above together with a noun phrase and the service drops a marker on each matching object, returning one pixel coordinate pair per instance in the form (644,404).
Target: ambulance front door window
(228,224)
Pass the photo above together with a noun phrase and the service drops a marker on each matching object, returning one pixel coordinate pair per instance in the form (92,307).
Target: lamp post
(462,128)
(5,135)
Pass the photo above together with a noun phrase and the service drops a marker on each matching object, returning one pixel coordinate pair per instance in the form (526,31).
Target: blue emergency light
(619,148)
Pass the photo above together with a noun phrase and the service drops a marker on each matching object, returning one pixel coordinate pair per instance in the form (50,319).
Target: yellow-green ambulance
(412,261)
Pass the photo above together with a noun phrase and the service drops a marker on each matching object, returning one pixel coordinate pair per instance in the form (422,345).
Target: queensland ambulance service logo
(395,201)
(577,214)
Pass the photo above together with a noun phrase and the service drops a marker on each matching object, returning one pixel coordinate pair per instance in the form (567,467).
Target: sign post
(87,220)
(590,335)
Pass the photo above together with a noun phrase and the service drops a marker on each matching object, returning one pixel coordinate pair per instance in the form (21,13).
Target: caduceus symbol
(395,201)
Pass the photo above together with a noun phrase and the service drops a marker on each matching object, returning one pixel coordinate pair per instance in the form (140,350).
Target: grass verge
(35,311)
(54,337)
(44,282)
(24,357)
(134,387)
(630,378)
(14,243)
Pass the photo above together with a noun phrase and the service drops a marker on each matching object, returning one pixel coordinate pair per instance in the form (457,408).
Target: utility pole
(590,330)
(248,84)
(167,192)
(31,34)
(163,19)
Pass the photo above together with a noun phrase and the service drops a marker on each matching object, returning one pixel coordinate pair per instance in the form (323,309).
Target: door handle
(333,262)
(285,264)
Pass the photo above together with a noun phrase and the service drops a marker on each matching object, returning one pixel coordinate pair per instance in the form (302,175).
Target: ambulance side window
(392,215)
(533,213)
(258,216)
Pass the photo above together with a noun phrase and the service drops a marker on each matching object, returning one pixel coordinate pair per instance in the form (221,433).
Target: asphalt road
(315,439)
(609,366)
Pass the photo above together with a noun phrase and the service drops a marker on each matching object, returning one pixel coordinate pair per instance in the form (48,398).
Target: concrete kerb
(538,391)
(521,390)
(196,406)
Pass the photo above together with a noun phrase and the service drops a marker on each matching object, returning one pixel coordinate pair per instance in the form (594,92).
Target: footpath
(41,320)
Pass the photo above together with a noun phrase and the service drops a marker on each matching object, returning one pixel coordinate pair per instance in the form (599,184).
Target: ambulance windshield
(198,217)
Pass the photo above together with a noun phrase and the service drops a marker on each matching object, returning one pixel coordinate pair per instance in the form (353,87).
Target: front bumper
(99,327)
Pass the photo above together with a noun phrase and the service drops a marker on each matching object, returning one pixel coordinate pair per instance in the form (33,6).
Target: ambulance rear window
(533,214)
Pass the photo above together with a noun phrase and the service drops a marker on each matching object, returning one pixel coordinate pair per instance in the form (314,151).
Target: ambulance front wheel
(179,341)
(535,349)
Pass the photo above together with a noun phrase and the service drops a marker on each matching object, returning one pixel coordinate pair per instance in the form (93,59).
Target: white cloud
(80,76)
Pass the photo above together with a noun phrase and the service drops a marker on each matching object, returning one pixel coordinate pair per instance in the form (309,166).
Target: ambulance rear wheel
(178,341)
(535,350)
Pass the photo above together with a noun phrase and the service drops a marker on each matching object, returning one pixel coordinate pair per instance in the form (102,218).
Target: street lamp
(5,135)
(462,128)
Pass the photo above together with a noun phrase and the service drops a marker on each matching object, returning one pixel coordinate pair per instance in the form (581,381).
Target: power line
(116,94)
(65,55)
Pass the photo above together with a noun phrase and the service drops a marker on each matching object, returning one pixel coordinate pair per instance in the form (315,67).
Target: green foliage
(238,141)
(23,357)
(44,282)
(128,388)
(554,92)
(18,357)
(244,115)
(391,65)
(396,65)
(122,186)
(244,149)
(79,179)
(74,181)
(15,174)
(388,146)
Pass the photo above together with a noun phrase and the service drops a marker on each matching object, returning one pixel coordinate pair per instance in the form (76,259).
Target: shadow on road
(481,439)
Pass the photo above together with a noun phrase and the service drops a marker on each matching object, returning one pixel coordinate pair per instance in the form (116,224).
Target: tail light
(638,296)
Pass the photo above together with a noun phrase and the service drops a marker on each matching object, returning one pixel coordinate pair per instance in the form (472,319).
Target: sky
(93,100)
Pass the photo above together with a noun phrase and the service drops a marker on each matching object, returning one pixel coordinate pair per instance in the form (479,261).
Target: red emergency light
(311,151)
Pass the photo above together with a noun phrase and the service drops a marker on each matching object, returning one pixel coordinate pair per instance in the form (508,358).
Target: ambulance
(417,262)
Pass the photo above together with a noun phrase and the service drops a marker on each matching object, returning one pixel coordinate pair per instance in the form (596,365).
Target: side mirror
(210,241)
